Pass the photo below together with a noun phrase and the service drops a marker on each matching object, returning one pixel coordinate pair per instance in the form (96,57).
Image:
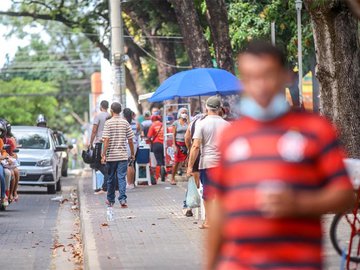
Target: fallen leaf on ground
(57,246)
(104,224)
(64,200)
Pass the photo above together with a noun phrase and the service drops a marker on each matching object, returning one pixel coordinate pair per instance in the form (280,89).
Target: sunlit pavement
(152,233)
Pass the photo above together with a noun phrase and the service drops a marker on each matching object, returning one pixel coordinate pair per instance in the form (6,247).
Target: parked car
(39,156)
(65,154)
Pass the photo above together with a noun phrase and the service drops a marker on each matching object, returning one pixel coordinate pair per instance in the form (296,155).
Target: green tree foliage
(60,57)
(22,100)
(249,19)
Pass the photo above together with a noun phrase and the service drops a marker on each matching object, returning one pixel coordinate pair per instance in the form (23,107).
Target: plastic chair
(143,160)
(147,177)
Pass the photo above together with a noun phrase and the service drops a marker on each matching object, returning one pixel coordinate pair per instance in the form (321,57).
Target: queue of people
(267,175)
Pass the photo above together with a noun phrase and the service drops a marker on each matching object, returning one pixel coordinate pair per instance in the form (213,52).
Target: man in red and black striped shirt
(280,170)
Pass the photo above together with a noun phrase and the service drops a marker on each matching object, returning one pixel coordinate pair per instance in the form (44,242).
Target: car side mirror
(60,148)
(7,147)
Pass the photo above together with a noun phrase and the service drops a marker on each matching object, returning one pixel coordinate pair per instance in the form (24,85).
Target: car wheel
(51,189)
(64,173)
(58,185)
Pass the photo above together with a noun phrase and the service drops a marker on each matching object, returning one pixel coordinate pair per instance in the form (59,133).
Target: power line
(158,60)
(51,66)
(46,62)
(126,36)
(44,94)
(52,69)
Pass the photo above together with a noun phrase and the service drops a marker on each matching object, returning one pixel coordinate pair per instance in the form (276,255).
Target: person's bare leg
(197,178)
(175,168)
(207,205)
(16,180)
(12,186)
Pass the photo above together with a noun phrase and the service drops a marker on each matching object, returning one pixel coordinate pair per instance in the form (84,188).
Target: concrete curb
(91,260)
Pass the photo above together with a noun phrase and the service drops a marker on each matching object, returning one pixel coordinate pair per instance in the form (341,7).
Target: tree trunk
(216,16)
(192,32)
(338,54)
(164,51)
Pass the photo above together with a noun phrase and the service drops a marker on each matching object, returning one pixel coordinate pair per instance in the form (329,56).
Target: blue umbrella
(198,82)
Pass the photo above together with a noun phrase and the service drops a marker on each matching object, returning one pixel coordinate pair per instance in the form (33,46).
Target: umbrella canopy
(198,82)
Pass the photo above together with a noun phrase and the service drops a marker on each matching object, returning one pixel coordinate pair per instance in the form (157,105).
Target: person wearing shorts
(156,136)
(206,143)
(179,128)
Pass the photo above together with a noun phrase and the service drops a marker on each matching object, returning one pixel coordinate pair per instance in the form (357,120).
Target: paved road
(28,228)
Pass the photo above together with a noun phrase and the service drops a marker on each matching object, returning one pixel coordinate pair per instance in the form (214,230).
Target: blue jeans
(2,182)
(116,169)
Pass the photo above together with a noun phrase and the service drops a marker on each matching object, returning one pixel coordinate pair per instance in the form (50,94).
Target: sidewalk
(152,233)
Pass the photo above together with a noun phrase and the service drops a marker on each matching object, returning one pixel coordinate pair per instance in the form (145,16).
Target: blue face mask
(277,107)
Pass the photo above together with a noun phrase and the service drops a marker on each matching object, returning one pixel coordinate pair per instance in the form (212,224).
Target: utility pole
(118,57)
(273,34)
(298,5)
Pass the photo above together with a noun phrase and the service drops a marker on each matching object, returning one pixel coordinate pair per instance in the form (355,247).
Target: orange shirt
(2,150)
(299,149)
(156,132)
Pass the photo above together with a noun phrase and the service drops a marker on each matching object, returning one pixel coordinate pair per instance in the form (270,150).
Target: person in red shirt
(279,171)
(156,136)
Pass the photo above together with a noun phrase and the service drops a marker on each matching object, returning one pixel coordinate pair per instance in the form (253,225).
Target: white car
(39,157)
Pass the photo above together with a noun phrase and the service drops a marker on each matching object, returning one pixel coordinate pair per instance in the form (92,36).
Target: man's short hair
(104,104)
(116,107)
(261,48)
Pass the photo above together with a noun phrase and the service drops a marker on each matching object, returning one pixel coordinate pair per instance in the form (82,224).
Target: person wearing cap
(205,141)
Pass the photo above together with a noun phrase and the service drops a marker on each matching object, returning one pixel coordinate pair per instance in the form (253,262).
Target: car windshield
(32,140)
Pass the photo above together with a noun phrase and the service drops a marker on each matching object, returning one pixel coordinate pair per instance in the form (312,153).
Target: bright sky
(8,45)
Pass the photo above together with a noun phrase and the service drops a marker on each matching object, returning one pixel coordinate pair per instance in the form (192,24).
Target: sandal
(173,183)
(204,226)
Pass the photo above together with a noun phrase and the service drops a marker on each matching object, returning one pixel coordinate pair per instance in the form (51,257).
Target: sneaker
(97,190)
(189,213)
(123,204)
(5,202)
(131,186)
(101,191)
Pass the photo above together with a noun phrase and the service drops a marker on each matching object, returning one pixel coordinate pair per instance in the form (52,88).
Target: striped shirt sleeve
(331,160)
(106,131)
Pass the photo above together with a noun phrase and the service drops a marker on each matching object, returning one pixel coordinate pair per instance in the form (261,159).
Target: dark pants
(2,182)
(104,170)
(99,166)
(158,149)
(117,171)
